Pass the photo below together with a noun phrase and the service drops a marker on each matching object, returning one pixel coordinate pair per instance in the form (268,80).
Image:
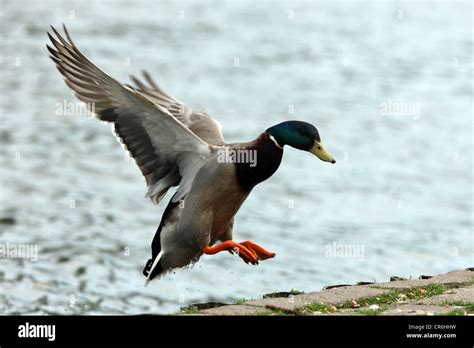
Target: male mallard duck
(174,145)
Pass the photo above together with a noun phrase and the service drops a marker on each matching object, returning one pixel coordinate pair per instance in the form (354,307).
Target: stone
(464,295)
(235,310)
(413,309)
(329,296)
(459,285)
(458,277)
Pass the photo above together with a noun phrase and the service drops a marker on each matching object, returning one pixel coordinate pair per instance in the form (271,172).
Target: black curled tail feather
(156,243)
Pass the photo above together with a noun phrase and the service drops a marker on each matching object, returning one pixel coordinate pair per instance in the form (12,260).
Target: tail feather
(155,263)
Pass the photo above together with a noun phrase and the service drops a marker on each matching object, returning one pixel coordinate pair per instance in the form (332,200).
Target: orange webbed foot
(247,251)
(233,247)
(260,252)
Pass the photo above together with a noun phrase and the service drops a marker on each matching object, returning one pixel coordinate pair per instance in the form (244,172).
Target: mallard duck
(174,145)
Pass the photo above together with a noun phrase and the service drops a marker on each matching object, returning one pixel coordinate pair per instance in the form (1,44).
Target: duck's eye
(319,147)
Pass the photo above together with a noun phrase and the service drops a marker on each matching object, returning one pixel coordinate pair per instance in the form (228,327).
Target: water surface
(388,84)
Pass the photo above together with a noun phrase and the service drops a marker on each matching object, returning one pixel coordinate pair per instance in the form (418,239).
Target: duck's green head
(302,136)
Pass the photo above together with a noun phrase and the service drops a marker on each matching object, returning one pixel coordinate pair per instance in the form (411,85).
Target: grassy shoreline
(451,293)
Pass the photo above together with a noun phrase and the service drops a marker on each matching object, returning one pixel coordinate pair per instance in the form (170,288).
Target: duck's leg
(247,255)
(260,252)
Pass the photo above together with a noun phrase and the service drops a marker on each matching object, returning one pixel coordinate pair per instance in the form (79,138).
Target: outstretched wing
(201,123)
(167,152)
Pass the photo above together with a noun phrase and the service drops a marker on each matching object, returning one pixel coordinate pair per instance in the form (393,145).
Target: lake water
(388,84)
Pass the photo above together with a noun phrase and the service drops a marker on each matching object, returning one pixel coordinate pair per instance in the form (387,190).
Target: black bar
(195,330)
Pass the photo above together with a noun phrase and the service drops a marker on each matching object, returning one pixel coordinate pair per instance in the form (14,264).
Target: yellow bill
(319,150)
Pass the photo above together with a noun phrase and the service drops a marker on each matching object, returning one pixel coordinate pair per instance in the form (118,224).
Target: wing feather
(165,149)
(201,123)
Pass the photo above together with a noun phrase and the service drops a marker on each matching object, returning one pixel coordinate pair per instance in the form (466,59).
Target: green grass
(390,298)
(189,310)
(318,308)
(468,307)
(271,312)
(368,311)
(399,296)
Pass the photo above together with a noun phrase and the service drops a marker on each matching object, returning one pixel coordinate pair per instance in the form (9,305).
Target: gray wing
(200,123)
(167,152)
